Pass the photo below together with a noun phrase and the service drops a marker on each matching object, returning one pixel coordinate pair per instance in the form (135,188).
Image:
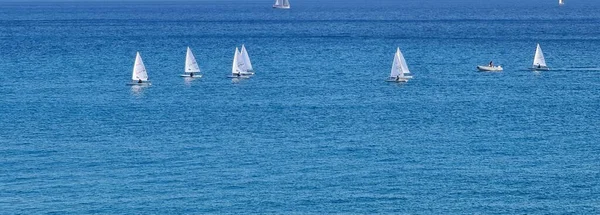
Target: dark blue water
(316,130)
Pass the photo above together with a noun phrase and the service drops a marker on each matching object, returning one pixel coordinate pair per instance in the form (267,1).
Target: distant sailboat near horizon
(282,4)
(192,69)
(139,75)
(400,71)
(238,68)
(561,2)
(539,62)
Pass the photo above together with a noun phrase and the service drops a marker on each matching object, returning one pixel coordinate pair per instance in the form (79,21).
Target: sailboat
(400,72)
(282,4)
(561,2)
(139,75)
(246,59)
(238,69)
(539,62)
(192,69)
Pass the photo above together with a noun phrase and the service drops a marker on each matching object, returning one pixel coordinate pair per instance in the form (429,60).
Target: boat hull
(145,83)
(238,76)
(188,76)
(281,7)
(489,68)
(400,80)
(540,69)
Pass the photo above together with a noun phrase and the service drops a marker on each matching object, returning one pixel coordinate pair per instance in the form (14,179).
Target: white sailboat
(238,69)
(139,75)
(561,2)
(192,69)
(282,4)
(247,61)
(539,62)
(400,71)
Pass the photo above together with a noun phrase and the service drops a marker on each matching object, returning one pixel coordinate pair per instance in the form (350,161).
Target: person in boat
(539,66)
(398,78)
(491,64)
(238,74)
(139,81)
(191,75)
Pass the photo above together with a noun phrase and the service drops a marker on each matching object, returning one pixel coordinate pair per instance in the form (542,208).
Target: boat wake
(578,69)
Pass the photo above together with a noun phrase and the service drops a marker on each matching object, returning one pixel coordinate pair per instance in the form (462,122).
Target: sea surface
(317,130)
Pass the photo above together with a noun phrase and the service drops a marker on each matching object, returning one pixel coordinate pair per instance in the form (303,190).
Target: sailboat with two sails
(400,71)
(242,66)
(282,4)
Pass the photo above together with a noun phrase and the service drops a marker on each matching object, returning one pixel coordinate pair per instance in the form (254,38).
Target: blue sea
(317,130)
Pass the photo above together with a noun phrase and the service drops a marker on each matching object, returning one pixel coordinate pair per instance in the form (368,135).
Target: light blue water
(317,130)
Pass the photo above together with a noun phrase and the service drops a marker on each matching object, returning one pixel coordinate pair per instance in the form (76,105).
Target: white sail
(399,67)
(246,58)
(234,68)
(191,66)
(561,2)
(286,3)
(139,70)
(241,64)
(278,3)
(403,63)
(238,66)
(539,60)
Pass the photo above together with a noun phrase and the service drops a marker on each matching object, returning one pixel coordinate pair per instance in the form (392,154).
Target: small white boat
(400,72)
(192,70)
(561,2)
(239,69)
(139,75)
(490,68)
(539,62)
(282,4)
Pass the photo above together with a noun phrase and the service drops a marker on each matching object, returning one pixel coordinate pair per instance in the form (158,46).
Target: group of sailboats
(242,67)
(140,75)
(401,73)
(539,63)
